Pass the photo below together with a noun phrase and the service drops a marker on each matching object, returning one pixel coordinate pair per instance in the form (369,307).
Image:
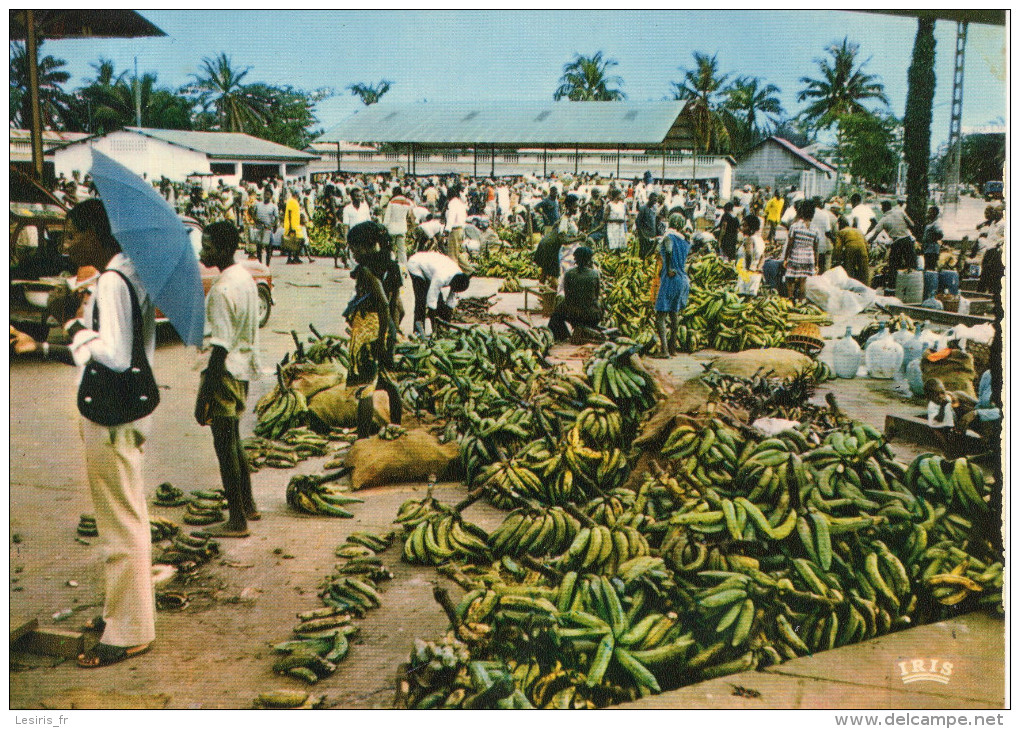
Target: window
(223,168)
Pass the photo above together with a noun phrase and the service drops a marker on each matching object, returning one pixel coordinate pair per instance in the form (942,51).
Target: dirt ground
(216,653)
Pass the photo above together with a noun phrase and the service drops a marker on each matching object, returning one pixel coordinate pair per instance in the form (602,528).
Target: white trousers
(113,460)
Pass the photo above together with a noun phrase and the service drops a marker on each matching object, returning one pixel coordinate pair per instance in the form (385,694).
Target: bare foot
(227,530)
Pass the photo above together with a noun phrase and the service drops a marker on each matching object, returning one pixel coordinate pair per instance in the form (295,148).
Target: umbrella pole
(32,59)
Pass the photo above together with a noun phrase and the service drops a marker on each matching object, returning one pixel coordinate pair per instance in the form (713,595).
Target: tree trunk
(917,120)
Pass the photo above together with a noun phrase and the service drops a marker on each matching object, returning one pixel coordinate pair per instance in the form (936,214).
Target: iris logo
(925,669)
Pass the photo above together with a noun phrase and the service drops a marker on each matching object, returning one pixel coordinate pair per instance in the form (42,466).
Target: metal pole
(545,163)
(138,97)
(474,151)
(492,151)
(32,59)
(663,164)
(952,196)
(577,157)
(617,163)
(338,157)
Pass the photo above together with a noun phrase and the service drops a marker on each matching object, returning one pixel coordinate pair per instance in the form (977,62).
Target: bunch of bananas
(970,577)
(413,511)
(280,410)
(197,548)
(539,533)
(169,495)
(502,262)
(625,299)
(443,536)
(511,285)
(616,372)
(87,526)
(309,495)
(964,486)
(261,452)
(311,658)
(306,442)
(350,594)
(161,528)
(601,549)
(436,672)
(205,507)
(286,699)
(392,432)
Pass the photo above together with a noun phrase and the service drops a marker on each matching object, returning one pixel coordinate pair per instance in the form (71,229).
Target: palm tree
(585,79)
(917,119)
(756,107)
(703,89)
(369,93)
(219,87)
(53,100)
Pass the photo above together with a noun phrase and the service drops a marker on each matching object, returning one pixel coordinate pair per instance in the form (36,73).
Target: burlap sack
(782,362)
(309,378)
(956,371)
(337,407)
(411,458)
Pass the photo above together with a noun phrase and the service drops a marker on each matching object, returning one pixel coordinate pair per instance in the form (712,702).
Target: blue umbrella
(156,240)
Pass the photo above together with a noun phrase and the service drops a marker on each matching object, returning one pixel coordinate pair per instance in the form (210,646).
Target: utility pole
(952,196)
(32,60)
(138,97)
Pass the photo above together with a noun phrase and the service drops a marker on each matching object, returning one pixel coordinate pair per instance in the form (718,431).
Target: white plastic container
(877,335)
(846,356)
(914,378)
(884,357)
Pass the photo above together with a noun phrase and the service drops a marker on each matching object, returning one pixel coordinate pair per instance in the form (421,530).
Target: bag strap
(137,348)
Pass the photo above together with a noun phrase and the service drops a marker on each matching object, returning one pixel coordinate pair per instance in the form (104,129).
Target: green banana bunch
(169,495)
(309,495)
(160,527)
(444,536)
(549,531)
(602,550)
(284,409)
(313,658)
(306,442)
(87,526)
(205,507)
(963,487)
(196,547)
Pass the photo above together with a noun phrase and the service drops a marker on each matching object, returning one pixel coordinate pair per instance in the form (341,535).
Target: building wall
(604,163)
(142,155)
(770,165)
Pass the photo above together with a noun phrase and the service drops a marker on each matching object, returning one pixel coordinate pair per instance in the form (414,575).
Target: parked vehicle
(993,190)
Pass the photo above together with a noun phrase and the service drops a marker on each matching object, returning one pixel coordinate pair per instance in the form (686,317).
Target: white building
(776,162)
(178,155)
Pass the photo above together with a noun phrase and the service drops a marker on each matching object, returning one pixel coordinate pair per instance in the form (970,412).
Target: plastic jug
(914,378)
(846,356)
(876,336)
(884,357)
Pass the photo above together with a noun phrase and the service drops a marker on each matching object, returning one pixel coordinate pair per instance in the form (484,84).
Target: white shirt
(436,268)
(456,213)
(503,198)
(757,251)
(861,217)
(395,215)
(353,215)
(111,345)
(431,228)
(823,222)
(420,213)
(232,321)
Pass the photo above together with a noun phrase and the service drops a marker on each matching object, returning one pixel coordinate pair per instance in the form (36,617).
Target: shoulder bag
(113,398)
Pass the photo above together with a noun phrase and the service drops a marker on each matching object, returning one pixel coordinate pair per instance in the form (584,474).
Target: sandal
(94,625)
(103,654)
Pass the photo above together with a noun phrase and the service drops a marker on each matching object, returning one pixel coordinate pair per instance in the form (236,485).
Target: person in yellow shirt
(851,251)
(292,226)
(773,214)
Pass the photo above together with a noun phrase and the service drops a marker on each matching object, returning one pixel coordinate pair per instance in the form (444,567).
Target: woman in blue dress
(674,285)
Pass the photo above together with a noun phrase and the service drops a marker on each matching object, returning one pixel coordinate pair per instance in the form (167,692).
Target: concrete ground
(216,652)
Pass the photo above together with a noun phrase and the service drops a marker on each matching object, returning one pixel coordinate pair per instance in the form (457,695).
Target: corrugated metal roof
(586,124)
(225,145)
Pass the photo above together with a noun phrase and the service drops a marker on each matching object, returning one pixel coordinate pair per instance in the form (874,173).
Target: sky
(507,55)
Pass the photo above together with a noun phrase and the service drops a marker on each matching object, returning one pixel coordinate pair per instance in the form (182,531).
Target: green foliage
(703,88)
(842,89)
(107,103)
(370,93)
(982,158)
(870,150)
(53,100)
(755,108)
(289,115)
(585,79)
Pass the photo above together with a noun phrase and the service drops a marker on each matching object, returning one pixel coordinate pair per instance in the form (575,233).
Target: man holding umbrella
(118,333)
(139,245)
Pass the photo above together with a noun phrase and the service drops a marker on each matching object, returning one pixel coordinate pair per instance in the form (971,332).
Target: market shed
(177,155)
(777,162)
(621,139)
